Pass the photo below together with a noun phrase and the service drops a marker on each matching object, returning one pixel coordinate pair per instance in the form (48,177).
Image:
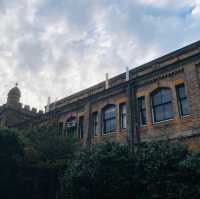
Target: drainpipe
(133,137)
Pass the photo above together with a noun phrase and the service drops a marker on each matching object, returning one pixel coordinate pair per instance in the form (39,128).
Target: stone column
(175,103)
(131,117)
(99,123)
(193,91)
(148,109)
(117,118)
(87,126)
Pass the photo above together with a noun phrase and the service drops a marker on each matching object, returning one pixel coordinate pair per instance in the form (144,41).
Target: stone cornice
(155,75)
(147,73)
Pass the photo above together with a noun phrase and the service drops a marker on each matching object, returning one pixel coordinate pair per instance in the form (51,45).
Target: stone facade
(13,113)
(168,73)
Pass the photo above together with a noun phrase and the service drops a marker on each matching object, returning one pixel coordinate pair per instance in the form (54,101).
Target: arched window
(71,126)
(162,105)
(109,119)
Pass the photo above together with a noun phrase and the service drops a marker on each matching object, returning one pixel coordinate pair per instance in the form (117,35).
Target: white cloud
(55,48)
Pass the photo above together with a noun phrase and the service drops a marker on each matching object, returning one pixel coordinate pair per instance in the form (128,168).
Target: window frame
(60,128)
(162,104)
(180,99)
(109,120)
(141,110)
(94,133)
(81,127)
(123,115)
(74,128)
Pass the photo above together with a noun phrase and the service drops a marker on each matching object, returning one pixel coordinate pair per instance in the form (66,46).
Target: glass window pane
(141,103)
(158,113)
(71,127)
(168,111)
(122,115)
(184,107)
(166,95)
(162,106)
(181,91)
(112,125)
(157,98)
(109,114)
(81,127)
(109,119)
(94,123)
(60,130)
(143,117)
(142,110)
(124,121)
(182,100)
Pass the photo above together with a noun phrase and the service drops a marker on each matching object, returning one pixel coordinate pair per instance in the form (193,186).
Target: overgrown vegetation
(156,170)
(39,164)
(11,158)
(33,162)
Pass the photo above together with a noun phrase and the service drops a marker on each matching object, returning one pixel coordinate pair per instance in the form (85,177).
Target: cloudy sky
(57,47)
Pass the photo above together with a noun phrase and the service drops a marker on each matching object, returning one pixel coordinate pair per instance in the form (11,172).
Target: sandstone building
(12,113)
(160,99)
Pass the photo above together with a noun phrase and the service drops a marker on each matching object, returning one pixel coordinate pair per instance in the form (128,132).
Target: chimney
(127,73)
(27,107)
(48,104)
(41,112)
(34,110)
(107,82)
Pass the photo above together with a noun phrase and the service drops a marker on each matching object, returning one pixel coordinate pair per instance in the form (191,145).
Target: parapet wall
(26,109)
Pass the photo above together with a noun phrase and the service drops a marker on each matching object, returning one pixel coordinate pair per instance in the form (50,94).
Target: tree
(111,171)
(11,158)
(47,155)
(190,176)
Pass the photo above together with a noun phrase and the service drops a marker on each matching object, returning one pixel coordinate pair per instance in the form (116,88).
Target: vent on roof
(127,73)
(107,81)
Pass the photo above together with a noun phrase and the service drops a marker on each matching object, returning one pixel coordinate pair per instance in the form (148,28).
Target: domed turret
(14,96)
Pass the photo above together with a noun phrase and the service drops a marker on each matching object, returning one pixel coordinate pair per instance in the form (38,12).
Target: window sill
(163,122)
(185,116)
(142,126)
(123,130)
(109,133)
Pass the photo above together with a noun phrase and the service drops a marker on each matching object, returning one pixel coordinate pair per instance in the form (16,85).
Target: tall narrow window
(142,111)
(71,127)
(122,109)
(60,128)
(81,127)
(162,105)
(94,123)
(182,100)
(109,119)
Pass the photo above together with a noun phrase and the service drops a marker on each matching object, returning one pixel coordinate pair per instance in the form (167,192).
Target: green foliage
(32,165)
(190,178)
(110,171)
(157,169)
(11,157)
(91,174)
(47,155)
(32,162)
(44,146)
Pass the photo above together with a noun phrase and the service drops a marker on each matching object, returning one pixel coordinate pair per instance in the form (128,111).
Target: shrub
(111,171)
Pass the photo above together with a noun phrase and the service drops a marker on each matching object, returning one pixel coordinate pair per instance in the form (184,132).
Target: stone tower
(14,96)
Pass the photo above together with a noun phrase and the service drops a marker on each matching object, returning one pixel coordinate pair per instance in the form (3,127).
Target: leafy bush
(47,155)
(11,157)
(111,171)
(32,162)
(44,146)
